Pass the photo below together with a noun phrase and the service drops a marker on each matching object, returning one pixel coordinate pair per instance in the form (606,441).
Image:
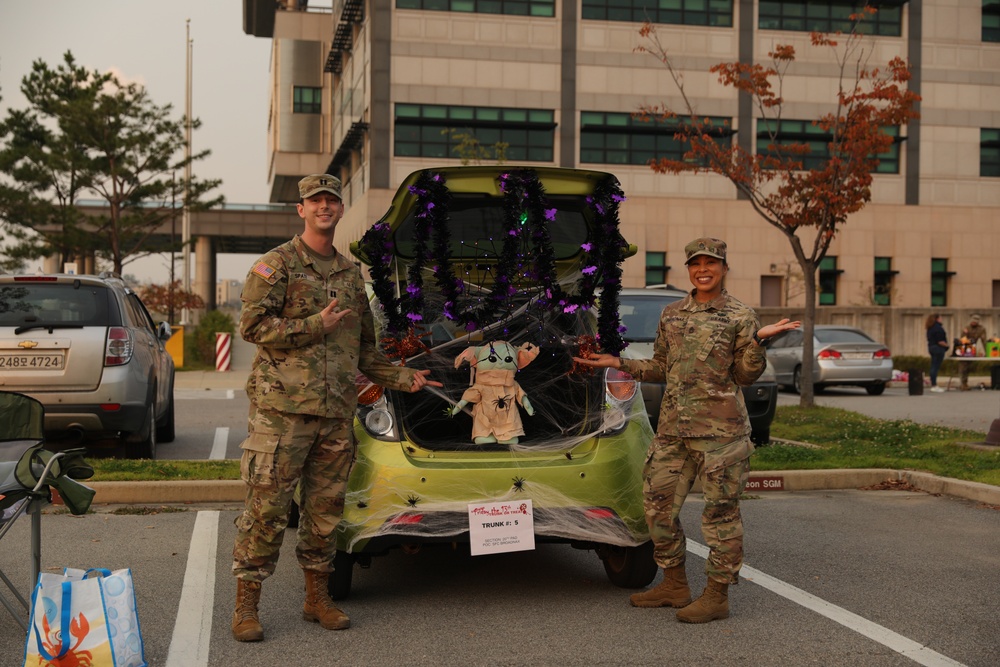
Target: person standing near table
(937,347)
(973,334)
(305,307)
(708,345)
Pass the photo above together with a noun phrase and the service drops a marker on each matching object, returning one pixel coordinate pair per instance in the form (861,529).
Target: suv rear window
(476,222)
(53,303)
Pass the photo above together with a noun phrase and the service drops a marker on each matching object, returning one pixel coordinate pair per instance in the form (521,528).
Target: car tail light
(369,394)
(882,354)
(829,354)
(620,385)
(118,350)
(35,279)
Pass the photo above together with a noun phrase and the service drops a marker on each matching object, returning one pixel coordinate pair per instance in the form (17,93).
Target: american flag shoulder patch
(264,270)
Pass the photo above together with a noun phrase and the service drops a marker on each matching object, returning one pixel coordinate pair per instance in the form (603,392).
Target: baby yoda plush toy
(494,391)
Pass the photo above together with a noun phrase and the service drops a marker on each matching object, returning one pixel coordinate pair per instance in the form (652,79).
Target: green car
(486,276)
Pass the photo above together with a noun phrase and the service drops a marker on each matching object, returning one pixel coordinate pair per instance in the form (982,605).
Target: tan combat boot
(246,625)
(713,605)
(319,607)
(673,591)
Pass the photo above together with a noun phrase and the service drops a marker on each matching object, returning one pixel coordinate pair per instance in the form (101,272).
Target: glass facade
(512,7)
(827,285)
(818,140)
(940,275)
(882,290)
(716,13)
(830,17)
(656,268)
(438,131)
(307,99)
(620,138)
(989,152)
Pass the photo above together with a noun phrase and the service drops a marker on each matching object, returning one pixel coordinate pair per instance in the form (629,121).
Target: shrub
(214,321)
(948,369)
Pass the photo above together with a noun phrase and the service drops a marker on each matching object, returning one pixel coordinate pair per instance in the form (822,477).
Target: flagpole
(186,223)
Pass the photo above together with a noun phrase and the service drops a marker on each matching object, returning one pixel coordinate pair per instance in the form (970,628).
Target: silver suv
(86,347)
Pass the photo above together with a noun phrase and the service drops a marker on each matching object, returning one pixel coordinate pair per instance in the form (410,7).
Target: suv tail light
(118,350)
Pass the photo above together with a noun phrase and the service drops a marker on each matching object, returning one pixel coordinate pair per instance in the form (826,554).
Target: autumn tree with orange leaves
(169,299)
(809,205)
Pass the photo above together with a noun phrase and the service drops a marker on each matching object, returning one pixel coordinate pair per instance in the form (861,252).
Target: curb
(234,490)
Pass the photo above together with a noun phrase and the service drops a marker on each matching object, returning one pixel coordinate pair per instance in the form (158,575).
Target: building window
(831,16)
(940,276)
(882,290)
(991,20)
(656,268)
(429,130)
(717,13)
(989,152)
(512,7)
(619,138)
(827,287)
(805,132)
(306,99)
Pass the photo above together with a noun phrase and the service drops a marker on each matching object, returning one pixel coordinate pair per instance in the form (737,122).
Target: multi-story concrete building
(376,89)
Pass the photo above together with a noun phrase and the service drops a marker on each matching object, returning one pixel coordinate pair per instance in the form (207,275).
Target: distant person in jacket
(937,347)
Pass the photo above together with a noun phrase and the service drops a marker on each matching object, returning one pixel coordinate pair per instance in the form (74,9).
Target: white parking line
(193,629)
(895,641)
(219,444)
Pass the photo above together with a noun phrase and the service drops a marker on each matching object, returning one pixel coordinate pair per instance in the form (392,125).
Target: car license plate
(31,362)
(857,355)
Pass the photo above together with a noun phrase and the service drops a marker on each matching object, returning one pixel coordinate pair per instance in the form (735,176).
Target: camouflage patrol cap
(311,185)
(705,246)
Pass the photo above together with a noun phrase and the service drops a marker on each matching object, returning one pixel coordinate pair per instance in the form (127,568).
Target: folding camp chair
(26,474)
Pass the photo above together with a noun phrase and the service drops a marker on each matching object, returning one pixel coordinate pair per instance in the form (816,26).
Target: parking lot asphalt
(973,410)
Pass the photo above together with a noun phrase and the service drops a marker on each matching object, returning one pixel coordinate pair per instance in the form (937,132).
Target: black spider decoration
(519,484)
(412,501)
(362,504)
(503,402)
(569,455)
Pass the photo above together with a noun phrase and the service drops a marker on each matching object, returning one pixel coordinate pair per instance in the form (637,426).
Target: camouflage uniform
(704,353)
(975,333)
(302,401)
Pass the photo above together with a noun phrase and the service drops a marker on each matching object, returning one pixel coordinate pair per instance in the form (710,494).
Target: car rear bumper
(839,372)
(396,497)
(95,420)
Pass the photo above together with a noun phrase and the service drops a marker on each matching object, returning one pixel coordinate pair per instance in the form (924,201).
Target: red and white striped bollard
(223,347)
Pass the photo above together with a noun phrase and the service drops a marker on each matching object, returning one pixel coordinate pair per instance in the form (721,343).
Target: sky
(144,41)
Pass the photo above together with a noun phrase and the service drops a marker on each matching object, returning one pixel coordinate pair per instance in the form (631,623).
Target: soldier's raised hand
(332,315)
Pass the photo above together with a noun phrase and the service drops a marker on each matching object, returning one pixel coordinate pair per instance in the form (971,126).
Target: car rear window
(476,225)
(841,336)
(641,316)
(53,303)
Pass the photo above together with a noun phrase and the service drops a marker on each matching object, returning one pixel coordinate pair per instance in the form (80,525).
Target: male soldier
(973,333)
(305,307)
(708,345)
